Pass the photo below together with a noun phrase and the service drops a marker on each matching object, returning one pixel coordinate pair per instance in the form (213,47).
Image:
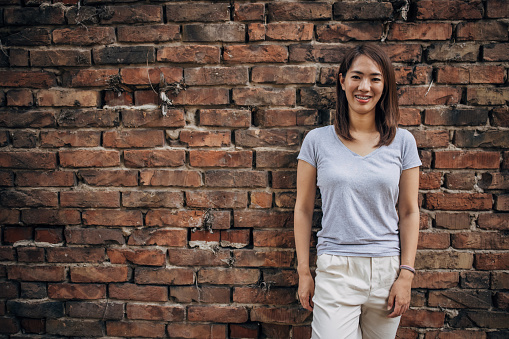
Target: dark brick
(124,55)
(30,37)
(464,138)
(233,32)
(42,15)
(198,12)
(362,10)
(39,309)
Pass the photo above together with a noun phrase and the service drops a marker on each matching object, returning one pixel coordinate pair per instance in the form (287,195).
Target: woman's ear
(341,80)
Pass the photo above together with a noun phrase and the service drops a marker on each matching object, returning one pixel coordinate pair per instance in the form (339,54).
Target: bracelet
(409,268)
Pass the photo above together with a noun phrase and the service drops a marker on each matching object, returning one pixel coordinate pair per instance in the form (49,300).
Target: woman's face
(363,84)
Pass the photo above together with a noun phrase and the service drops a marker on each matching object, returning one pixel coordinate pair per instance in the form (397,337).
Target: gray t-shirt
(359,194)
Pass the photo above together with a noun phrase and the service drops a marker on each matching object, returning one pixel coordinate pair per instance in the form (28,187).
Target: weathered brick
(264,96)
(466,52)
(216,76)
(362,11)
(435,96)
(37,309)
(144,76)
(211,158)
(225,117)
(76,291)
(30,37)
(160,237)
(216,199)
(164,276)
(449,10)
(279,315)
(329,53)
(423,318)
(98,310)
(123,55)
(496,52)
(60,57)
(284,74)
(236,238)
(434,260)
(201,96)
(199,257)
(70,138)
(204,294)
(28,160)
(482,30)
(228,32)
(256,32)
(473,279)
(132,14)
(149,329)
(199,54)
(29,198)
(224,314)
(198,12)
(86,158)
(418,31)
(495,221)
(462,181)
(148,257)
(70,327)
(196,138)
(148,33)
(289,31)
(299,11)
(267,137)
(84,98)
(349,31)
(170,178)
(138,292)
(455,116)
(93,236)
(198,331)
(42,15)
(459,201)
(433,240)
(149,199)
(88,118)
(31,79)
(155,312)
(467,159)
(227,178)
(133,138)
(104,274)
(497,9)
(227,276)
(36,273)
(255,53)
(124,178)
(248,12)
(49,235)
(82,36)
(75,254)
(431,138)
(112,217)
(20,98)
(485,139)
(263,258)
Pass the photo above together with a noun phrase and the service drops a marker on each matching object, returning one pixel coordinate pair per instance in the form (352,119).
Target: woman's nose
(364,85)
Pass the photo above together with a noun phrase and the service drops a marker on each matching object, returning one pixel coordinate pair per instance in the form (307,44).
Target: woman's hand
(399,297)
(306,291)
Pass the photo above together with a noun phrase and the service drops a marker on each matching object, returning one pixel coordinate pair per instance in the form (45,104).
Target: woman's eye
(377,79)
(355,77)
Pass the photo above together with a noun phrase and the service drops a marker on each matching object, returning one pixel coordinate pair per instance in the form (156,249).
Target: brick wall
(118,221)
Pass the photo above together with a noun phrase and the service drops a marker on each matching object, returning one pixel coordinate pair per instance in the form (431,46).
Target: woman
(367,170)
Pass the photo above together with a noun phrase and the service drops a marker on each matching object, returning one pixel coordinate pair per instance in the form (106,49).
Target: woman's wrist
(406,274)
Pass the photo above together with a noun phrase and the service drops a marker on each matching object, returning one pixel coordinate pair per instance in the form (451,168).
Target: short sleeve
(308,150)
(410,153)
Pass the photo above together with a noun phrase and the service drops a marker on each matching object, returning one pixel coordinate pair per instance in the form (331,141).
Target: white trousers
(350,300)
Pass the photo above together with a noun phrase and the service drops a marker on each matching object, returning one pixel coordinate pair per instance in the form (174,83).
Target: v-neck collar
(349,150)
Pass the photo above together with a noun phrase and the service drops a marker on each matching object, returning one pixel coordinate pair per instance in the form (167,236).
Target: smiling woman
(364,166)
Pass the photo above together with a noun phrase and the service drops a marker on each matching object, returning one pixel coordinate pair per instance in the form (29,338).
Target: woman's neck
(363,123)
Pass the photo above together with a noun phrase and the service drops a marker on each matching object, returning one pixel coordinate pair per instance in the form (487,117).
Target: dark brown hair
(386,111)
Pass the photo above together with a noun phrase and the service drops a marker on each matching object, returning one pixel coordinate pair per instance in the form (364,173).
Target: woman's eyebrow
(359,72)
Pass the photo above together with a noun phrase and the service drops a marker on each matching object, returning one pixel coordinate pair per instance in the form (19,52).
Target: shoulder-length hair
(387,110)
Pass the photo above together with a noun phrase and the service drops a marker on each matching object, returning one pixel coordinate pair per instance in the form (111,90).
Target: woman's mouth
(362,98)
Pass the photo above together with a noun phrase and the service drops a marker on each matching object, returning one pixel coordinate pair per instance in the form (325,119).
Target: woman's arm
(408,210)
(303,215)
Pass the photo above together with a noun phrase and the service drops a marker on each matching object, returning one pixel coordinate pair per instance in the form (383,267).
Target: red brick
(154,158)
(36,273)
(434,240)
(148,33)
(125,178)
(112,217)
(423,318)
(497,9)
(236,238)
(115,98)
(264,96)
(198,12)
(185,218)
(257,295)
(137,292)
(227,32)
(147,257)
(455,334)
(467,159)
(210,158)
(203,294)
(20,98)
(94,236)
(28,160)
(86,158)
(263,258)
(49,235)
(248,12)
(29,198)
(449,10)
(149,199)
(417,31)
(30,254)
(265,219)
(88,118)
(41,179)
(260,200)
(84,36)
(299,11)
(349,31)
(461,181)
(496,52)
(76,291)
(146,76)
(225,117)
(487,95)
(216,76)
(256,32)
(90,199)
(133,14)
(482,30)
(70,138)
(199,54)
(197,331)
(229,178)
(199,257)
(289,31)
(60,57)
(51,217)
(431,138)
(148,329)
(317,53)
(196,138)
(98,310)
(492,261)
(133,138)
(480,240)
(284,74)
(153,118)
(302,332)
(279,315)
(255,53)
(459,201)
(170,178)
(164,276)
(228,276)
(443,259)
(105,274)
(67,98)
(502,203)
(155,312)
(435,96)
(75,255)
(223,314)
(494,181)
(430,180)
(204,238)
(201,96)
(496,221)
(170,237)
(216,199)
